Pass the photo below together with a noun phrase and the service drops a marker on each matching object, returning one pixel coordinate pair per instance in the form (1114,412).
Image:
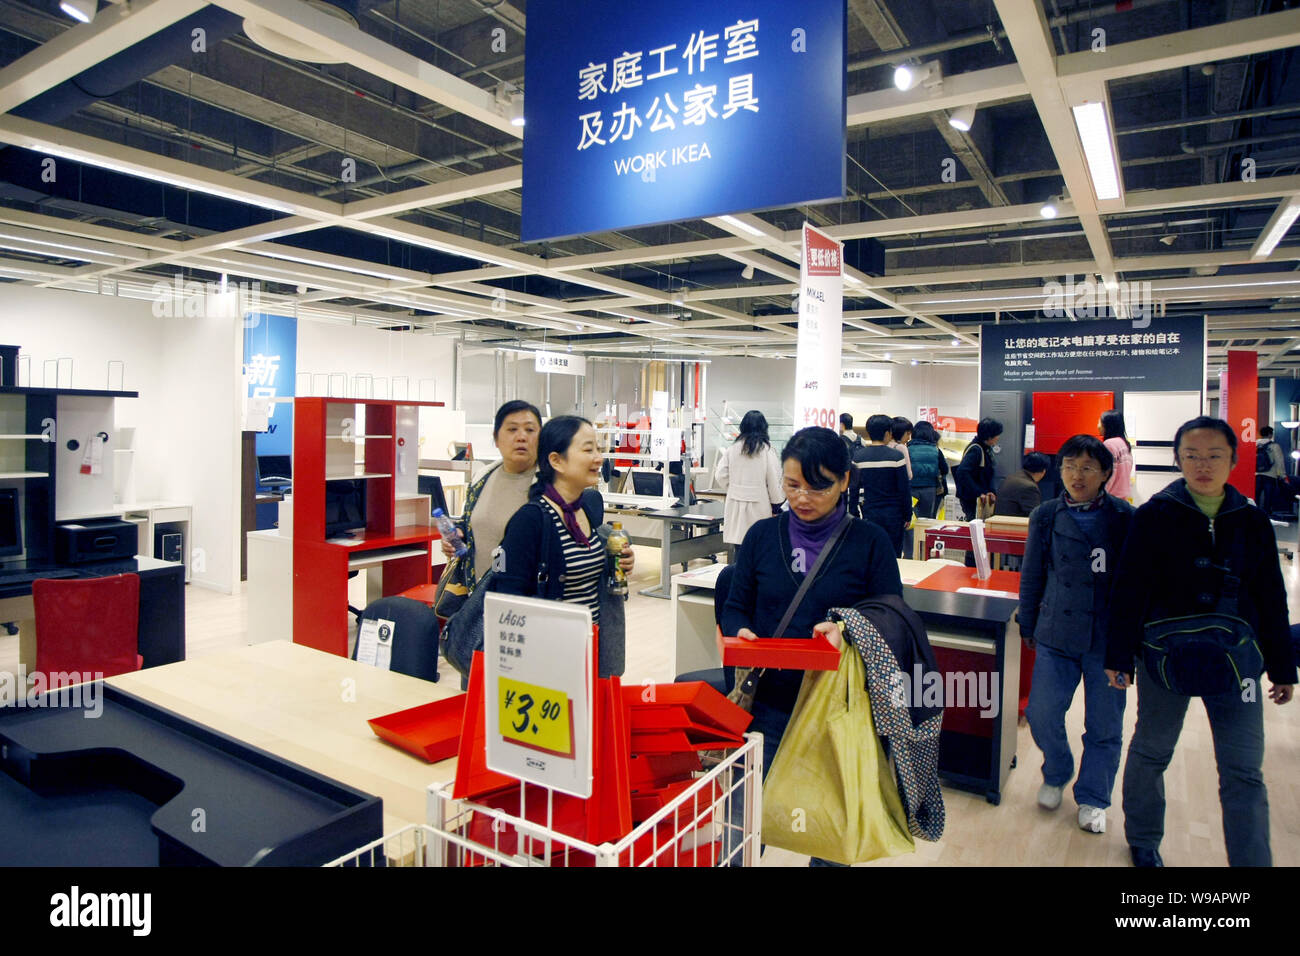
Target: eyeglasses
(1087,471)
(798,491)
(1203,459)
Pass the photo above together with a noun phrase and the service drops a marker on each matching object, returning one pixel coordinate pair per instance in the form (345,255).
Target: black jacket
(1064,591)
(1163,574)
(879,490)
(534,567)
(974,474)
(861,566)
(1018,496)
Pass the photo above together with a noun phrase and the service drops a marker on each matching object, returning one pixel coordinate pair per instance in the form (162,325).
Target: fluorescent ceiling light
(83,11)
(962,118)
(752,230)
(1283,218)
(320,263)
(515,111)
(1093,123)
(144,172)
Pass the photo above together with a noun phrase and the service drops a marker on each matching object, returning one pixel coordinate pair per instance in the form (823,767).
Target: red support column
(1242,408)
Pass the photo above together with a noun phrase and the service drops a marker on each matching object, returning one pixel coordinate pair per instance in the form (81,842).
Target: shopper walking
(748,471)
(551,547)
(1073,546)
(779,551)
(880,492)
(900,432)
(1195,548)
(974,473)
(501,490)
(1269,472)
(851,438)
(1111,427)
(929,470)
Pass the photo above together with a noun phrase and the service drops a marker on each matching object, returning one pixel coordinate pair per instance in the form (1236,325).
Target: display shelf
(359,474)
(23,474)
(23,437)
(355,437)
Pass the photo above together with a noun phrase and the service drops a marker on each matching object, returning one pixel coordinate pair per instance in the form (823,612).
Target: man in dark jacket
(1073,547)
(1181,542)
(880,492)
(975,472)
(1019,495)
(851,439)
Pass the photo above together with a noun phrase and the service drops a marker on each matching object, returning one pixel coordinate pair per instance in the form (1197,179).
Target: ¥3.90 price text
(535,717)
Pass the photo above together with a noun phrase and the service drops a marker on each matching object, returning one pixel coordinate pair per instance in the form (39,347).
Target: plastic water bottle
(447,528)
(614,545)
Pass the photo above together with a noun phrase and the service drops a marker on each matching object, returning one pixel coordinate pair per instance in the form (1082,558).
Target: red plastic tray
(784,653)
(656,706)
(430,731)
(678,741)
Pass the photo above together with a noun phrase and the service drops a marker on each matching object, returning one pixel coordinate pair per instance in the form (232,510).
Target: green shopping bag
(831,792)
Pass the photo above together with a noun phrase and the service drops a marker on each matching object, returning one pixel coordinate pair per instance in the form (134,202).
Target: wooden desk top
(289,700)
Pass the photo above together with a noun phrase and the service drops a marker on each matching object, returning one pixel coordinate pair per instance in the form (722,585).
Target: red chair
(88,625)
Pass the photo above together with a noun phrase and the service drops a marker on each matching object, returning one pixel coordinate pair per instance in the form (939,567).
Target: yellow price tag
(535,717)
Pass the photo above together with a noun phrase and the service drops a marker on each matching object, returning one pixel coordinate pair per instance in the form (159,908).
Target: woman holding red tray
(780,551)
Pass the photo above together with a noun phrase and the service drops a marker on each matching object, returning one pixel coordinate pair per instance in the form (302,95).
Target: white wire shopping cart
(713,822)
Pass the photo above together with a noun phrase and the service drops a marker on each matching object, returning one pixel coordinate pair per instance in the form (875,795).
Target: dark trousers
(1237,727)
(927,502)
(1266,494)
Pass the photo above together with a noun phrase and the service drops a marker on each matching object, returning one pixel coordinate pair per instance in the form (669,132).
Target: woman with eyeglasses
(777,554)
(1191,547)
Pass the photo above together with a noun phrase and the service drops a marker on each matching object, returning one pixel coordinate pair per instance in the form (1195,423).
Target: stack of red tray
(646,754)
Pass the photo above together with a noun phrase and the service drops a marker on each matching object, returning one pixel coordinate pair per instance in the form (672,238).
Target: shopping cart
(712,822)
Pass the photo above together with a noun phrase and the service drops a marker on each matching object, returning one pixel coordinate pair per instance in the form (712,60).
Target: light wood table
(292,701)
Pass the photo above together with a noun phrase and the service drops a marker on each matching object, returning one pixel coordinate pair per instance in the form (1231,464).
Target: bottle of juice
(614,545)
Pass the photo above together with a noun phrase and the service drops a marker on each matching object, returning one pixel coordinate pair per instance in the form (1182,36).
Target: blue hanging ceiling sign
(642,113)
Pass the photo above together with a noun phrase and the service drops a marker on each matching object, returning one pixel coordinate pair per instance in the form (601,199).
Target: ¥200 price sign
(535,717)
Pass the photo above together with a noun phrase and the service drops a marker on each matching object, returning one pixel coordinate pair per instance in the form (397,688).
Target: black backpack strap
(543,553)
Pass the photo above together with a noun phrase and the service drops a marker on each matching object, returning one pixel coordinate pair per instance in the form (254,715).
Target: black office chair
(415,635)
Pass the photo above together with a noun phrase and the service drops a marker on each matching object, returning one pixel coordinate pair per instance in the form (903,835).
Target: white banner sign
(560,363)
(866,377)
(539,678)
(821,309)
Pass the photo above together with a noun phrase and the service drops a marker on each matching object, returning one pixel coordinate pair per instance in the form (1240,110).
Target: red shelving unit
(326,432)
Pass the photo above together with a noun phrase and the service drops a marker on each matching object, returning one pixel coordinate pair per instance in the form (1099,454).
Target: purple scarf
(570,514)
(811,536)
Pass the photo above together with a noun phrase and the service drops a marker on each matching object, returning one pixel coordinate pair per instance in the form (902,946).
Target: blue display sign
(270,362)
(640,113)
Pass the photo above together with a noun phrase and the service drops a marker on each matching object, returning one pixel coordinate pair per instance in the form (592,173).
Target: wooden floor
(1015,833)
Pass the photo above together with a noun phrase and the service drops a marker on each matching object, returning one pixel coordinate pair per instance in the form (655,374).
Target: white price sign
(666,444)
(821,311)
(538,657)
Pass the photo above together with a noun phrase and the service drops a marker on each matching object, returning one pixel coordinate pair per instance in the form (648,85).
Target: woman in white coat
(750,474)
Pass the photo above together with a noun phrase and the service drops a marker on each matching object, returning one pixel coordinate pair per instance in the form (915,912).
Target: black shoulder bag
(1201,655)
(747,679)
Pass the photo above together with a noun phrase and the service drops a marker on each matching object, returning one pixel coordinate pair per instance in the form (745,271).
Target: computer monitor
(345,506)
(276,468)
(11,523)
(649,483)
(431,485)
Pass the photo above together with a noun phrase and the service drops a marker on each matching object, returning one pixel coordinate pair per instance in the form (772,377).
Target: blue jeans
(1056,677)
(771,723)
(1237,727)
